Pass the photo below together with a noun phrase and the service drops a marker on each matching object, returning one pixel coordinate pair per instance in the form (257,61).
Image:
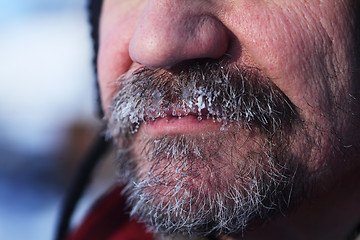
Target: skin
(307,49)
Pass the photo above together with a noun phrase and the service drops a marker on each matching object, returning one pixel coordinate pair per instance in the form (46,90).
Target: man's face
(225,112)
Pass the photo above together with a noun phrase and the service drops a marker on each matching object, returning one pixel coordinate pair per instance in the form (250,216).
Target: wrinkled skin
(309,51)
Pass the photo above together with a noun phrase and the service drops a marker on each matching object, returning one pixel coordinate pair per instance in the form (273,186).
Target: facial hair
(212,183)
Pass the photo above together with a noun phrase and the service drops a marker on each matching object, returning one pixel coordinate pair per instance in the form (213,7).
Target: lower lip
(184,125)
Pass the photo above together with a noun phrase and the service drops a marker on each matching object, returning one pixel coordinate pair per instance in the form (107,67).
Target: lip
(190,124)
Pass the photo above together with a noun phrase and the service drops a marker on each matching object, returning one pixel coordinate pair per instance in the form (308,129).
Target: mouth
(197,102)
(174,121)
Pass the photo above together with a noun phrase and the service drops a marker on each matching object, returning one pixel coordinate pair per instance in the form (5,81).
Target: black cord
(79,184)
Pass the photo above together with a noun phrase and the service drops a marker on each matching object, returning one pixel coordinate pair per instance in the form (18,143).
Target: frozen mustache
(229,94)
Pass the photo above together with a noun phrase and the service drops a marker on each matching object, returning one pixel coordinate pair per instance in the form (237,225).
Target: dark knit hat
(94,10)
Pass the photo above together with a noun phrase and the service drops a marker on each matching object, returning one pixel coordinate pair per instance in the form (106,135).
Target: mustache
(227,93)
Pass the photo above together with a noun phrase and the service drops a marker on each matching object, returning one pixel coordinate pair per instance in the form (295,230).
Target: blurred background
(47,111)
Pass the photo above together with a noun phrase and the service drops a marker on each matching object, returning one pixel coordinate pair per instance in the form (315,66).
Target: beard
(211,183)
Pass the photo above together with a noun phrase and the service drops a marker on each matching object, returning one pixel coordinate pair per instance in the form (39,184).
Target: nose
(173,31)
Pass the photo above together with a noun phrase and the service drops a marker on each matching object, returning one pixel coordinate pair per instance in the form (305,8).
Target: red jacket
(108,220)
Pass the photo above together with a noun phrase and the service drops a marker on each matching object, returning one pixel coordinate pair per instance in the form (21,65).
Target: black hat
(94,10)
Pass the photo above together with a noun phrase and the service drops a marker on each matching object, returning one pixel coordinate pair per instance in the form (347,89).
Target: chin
(218,182)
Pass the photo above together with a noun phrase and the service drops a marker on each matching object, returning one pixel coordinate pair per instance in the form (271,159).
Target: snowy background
(46,85)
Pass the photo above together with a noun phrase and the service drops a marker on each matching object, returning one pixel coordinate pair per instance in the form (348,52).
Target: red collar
(107,220)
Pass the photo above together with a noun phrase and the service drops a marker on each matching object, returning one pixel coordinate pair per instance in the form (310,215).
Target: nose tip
(166,39)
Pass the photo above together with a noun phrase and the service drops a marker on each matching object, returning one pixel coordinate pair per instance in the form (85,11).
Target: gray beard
(230,196)
(208,185)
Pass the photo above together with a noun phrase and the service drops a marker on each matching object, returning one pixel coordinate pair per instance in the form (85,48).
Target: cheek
(305,54)
(289,43)
(113,59)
